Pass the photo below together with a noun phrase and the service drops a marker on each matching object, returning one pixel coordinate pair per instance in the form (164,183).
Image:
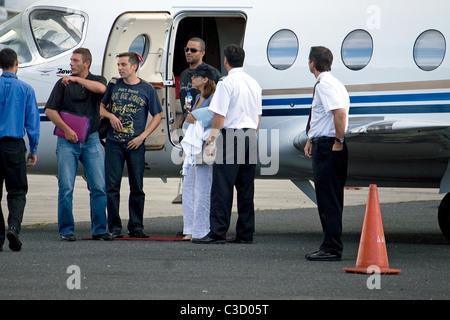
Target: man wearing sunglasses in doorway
(194,52)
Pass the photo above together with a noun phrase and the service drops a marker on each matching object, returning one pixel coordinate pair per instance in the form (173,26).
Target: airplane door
(144,33)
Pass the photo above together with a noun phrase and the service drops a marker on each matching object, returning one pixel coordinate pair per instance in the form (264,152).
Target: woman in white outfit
(197,174)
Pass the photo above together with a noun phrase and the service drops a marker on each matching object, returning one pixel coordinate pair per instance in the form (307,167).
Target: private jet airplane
(390,55)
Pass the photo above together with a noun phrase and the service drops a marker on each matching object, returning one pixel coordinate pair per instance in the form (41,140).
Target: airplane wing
(407,149)
(397,151)
(375,138)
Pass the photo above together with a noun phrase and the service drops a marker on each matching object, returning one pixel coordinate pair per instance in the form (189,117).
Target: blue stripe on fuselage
(437,108)
(379,109)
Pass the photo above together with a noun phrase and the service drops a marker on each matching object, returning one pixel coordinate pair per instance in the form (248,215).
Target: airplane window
(56,31)
(139,45)
(282,49)
(357,49)
(429,50)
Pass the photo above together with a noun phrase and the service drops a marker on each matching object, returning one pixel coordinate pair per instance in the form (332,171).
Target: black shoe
(322,256)
(13,237)
(68,237)
(116,234)
(207,240)
(137,234)
(239,240)
(103,237)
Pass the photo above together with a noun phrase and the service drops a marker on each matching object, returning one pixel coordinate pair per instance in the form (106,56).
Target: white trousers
(197,200)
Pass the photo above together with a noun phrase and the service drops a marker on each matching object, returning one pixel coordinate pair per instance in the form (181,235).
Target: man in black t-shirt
(79,94)
(194,51)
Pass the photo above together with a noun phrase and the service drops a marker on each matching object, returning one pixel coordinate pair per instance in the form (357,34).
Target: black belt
(9,139)
(321,139)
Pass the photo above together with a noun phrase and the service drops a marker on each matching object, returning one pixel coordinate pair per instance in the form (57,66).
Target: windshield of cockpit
(53,32)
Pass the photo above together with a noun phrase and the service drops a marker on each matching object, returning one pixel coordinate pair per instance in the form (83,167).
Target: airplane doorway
(217,30)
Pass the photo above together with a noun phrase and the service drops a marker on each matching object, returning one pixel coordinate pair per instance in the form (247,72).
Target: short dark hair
(200,41)
(235,55)
(85,54)
(132,58)
(322,57)
(8,58)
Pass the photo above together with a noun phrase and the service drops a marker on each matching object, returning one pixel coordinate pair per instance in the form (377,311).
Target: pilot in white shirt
(237,107)
(328,150)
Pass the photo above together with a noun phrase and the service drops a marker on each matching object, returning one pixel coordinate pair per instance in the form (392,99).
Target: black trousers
(13,172)
(234,167)
(330,175)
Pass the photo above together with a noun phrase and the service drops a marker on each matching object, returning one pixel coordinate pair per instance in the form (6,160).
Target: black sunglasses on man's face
(193,50)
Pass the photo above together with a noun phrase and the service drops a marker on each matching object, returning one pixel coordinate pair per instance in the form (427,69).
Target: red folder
(77,123)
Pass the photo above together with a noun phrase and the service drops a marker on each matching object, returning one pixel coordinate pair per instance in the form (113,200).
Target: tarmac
(269,195)
(178,277)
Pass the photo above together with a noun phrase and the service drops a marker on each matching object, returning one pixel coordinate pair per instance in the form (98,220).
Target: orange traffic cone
(372,246)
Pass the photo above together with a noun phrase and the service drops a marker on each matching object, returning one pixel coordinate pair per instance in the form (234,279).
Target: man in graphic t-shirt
(131,100)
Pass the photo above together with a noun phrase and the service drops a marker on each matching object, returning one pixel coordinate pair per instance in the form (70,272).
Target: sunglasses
(193,50)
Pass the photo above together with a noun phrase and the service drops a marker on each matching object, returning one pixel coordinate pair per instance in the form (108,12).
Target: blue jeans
(116,155)
(90,154)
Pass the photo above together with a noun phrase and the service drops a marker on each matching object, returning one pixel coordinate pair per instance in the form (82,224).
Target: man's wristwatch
(340,140)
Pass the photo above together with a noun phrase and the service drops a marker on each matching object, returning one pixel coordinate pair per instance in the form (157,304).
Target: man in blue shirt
(19,113)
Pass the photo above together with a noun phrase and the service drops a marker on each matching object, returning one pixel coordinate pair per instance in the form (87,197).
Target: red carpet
(151,238)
